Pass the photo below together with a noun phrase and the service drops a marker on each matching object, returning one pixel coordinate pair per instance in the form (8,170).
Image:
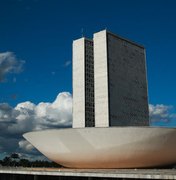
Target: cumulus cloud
(28,116)
(161,114)
(26,145)
(9,64)
(7,113)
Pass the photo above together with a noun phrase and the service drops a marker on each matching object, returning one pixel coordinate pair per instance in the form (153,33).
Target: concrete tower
(83,83)
(109,82)
(120,82)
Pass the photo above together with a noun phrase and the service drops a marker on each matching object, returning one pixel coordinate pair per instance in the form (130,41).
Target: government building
(110,96)
(109,82)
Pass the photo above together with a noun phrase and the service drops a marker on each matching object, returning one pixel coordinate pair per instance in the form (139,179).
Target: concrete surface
(132,147)
(99,173)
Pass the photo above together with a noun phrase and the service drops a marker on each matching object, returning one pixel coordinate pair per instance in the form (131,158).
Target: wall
(128,101)
(78,83)
(101,80)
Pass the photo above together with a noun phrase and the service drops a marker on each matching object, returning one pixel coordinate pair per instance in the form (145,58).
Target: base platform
(65,173)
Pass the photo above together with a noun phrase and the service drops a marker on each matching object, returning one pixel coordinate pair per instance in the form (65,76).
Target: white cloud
(7,113)
(25,145)
(56,114)
(27,117)
(44,115)
(161,113)
(9,64)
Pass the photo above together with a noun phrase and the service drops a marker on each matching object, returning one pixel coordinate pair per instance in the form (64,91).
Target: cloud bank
(9,64)
(162,115)
(27,117)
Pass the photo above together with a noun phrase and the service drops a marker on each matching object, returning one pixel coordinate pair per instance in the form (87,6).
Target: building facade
(120,82)
(83,83)
(112,73)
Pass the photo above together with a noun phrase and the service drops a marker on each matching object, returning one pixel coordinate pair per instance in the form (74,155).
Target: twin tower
(109,82)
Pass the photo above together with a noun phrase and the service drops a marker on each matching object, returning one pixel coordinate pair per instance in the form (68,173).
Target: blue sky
(39,33)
